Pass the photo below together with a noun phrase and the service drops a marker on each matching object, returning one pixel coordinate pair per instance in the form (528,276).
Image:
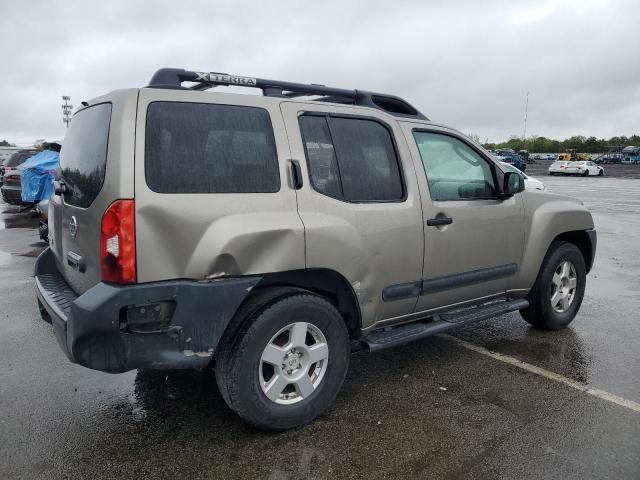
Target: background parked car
(509,156)
(632,155)
(11,187)
(583,168)
(530,183)
(558,167)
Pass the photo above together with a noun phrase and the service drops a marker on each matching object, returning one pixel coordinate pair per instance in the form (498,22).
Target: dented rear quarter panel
(200,235)
(547,215)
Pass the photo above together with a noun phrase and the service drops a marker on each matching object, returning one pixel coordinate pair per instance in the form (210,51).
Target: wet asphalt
(433,409)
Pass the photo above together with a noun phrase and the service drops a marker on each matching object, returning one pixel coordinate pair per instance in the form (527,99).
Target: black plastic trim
(433,285)
(438,222)
(439,284)
(88,328)
(401,291)
(593,240)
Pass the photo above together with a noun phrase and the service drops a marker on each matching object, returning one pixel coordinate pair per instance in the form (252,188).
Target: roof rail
(173,78)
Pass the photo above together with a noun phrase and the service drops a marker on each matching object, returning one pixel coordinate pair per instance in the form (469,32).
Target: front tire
(285,363)
(557,294)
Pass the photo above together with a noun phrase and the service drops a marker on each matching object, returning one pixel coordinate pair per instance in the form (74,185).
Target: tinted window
(454,170)
(351,158)
(83,157)
(321,156)
(201,148)
(19,158)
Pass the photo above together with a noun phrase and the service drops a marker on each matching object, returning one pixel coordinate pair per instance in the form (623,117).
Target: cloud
(465,63)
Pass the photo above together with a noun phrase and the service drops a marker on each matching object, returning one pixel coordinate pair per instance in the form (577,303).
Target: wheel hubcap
(564,284)
(293,363)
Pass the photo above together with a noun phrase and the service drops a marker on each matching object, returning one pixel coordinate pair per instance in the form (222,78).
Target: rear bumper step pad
(410,332)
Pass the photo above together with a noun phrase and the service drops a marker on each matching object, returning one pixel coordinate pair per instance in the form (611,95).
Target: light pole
(526,110)
(67,109)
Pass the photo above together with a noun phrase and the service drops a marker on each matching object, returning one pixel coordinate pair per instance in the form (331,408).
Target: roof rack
(173,78)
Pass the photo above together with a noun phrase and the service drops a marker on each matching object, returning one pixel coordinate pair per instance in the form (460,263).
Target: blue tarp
(38,174)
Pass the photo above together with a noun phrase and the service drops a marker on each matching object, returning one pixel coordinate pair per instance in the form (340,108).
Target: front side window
(208,148)
(352,159)
(454,170)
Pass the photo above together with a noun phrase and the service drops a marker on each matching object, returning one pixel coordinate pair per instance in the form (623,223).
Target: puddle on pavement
(16,217)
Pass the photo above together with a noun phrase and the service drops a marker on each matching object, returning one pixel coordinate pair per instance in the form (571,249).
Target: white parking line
(582,387)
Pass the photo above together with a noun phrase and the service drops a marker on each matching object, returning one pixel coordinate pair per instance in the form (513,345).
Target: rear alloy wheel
(293,363)
(557,294)
(285,362)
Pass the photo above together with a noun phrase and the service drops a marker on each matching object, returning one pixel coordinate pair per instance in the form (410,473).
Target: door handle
(439,221)
(296,174)
(59,187)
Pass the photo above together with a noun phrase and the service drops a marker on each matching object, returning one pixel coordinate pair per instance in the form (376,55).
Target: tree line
(578,142)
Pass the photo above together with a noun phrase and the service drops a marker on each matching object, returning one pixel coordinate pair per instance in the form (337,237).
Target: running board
(410,332)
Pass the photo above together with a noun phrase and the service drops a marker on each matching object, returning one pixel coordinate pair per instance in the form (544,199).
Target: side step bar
(410,332)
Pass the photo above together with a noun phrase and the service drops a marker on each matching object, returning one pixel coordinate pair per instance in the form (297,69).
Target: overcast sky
(465,63)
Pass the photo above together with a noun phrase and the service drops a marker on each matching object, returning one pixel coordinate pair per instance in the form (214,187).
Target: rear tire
(557,294)
(286,361)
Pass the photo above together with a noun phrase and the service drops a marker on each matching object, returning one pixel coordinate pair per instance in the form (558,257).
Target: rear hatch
(95,148)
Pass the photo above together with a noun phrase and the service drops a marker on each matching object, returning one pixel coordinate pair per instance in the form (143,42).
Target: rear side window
(203,148)
(83,157)
(351,159)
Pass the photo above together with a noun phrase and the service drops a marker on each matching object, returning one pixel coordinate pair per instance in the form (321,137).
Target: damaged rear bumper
(97,329)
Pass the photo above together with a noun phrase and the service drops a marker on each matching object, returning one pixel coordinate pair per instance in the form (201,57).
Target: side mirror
(513,183)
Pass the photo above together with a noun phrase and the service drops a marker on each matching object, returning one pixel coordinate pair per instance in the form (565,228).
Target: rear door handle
(437,222)
(59,188)
(296,174)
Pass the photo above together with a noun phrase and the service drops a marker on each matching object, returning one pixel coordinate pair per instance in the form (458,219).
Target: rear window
(204,148)
(83,158)
(18,159)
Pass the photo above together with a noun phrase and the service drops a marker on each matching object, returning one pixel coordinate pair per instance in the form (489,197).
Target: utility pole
(67,109)
(526,110)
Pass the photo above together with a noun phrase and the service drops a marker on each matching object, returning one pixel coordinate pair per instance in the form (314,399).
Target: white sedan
(583,168)
(530,183)
(558,167)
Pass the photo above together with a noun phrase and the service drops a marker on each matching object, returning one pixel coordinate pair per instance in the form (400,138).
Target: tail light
(12,177)
(118,243)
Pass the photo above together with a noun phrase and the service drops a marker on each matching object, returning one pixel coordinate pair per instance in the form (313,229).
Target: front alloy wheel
(557,293)
(564,283)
